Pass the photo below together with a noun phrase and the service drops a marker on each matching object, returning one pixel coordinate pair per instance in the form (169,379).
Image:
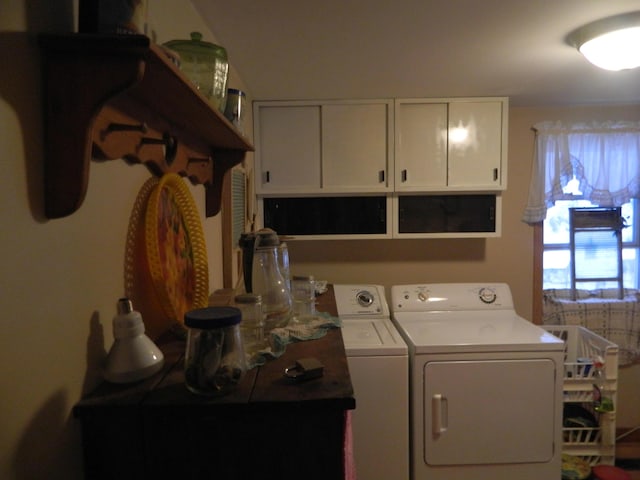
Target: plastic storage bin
(595,444)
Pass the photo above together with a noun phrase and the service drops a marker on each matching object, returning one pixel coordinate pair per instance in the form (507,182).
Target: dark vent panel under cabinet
(326,215)
(446,213)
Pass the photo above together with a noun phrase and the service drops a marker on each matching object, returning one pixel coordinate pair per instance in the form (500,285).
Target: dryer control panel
(431,297)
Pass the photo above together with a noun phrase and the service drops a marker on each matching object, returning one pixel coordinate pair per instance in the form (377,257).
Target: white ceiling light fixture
(612,43)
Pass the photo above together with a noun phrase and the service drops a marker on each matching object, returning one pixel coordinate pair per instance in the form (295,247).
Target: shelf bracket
(69,119)
(225,160)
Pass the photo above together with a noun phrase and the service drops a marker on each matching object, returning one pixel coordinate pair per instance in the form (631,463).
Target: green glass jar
(206,65)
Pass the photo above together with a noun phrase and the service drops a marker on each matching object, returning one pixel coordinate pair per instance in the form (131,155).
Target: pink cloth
(349,462)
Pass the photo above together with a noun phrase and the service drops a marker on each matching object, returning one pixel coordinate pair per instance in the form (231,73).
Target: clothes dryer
(485,384)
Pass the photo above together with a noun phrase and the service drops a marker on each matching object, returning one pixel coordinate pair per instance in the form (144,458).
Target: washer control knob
(423,297)
(487,295)
(364,298)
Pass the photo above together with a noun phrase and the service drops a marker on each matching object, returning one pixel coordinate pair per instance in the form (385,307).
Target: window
(581,164)
(601,159)
(556,252)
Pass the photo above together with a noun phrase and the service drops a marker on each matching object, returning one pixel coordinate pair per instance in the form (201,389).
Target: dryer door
(489,411)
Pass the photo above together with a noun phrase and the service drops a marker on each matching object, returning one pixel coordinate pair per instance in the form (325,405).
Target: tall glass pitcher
(268,281)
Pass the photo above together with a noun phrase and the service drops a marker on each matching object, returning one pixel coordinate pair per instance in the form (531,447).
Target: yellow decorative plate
(138,285)
(176,249)
(166,273)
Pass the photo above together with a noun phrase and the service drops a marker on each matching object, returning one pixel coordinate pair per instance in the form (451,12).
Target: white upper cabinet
(287,140)
(376,146)
(451,145)
(420,145)
(475,145)
(323,147)
(356,147)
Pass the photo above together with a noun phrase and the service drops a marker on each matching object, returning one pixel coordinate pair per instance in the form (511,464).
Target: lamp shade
(611,43)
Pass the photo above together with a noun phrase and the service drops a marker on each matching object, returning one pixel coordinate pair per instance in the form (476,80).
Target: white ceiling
(326,49)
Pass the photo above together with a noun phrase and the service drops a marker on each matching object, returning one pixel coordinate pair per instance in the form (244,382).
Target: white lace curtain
(604,158)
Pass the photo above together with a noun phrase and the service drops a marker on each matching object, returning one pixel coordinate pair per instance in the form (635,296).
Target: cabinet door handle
(267,177)
(381,176)
(495,174)
(404,175)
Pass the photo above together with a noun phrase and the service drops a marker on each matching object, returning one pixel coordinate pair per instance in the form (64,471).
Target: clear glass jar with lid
(214,359)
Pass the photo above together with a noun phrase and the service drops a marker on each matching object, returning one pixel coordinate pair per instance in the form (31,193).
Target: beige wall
(60,279)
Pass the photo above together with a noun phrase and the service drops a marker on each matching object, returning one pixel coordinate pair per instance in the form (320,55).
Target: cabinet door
(475,145)
(287,148)
(355,147)
(421,146)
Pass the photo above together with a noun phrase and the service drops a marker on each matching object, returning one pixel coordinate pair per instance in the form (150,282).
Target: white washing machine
(379,368)
(485,385)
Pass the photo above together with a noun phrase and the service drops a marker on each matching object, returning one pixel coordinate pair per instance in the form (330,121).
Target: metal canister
(234,111)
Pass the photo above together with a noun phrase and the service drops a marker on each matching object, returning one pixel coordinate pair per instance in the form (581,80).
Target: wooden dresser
(269,427)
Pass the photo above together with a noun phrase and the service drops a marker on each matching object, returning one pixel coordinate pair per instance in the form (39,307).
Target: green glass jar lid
(196,46)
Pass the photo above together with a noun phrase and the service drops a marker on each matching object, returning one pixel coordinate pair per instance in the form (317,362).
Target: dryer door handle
(439,413)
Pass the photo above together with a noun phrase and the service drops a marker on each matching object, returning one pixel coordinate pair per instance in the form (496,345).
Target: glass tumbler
(283,264)
(303,290)
(252,323)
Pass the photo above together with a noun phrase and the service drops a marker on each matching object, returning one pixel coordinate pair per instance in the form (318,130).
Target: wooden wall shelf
(119,96)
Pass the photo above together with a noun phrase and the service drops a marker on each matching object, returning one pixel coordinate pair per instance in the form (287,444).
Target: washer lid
(467,331)
(372,337)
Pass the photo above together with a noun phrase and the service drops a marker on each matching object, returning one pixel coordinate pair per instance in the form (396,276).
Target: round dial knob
(364,298)
(487,295)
